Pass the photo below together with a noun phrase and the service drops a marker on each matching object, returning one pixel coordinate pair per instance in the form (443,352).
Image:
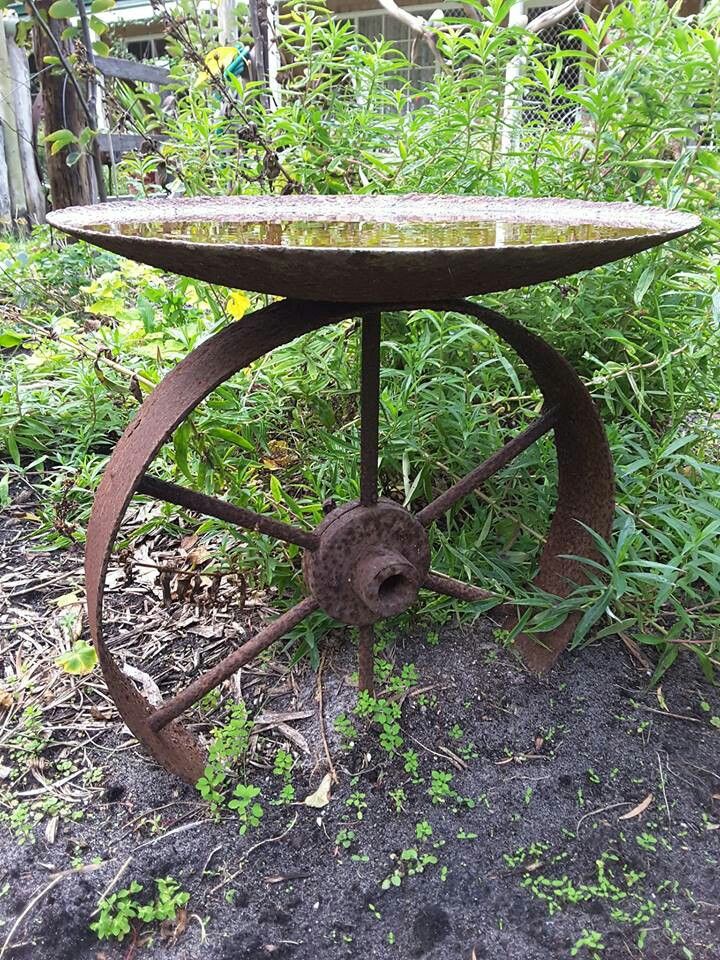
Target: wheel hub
(369,564)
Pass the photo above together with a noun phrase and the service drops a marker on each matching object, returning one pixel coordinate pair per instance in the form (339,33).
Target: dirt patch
(527,857)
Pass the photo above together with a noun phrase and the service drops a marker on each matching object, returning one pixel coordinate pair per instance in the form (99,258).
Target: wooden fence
(22,197)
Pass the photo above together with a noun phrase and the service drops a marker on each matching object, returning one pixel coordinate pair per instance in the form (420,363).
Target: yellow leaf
(78,661)
(237,304)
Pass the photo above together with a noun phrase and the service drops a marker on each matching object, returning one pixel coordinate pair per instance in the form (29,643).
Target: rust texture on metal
(366,274)
(222,510)
(362,563)
(369,408)
(367,559)
(209,365)
(370,562)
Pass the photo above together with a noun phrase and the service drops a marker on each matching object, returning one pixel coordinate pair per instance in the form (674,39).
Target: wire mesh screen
(554,37)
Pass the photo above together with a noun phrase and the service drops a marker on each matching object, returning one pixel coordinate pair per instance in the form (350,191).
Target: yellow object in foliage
(237,304)
(216,61)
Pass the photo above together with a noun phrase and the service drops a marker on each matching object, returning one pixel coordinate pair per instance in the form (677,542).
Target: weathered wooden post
(11,147)
(4,186)
(19,71)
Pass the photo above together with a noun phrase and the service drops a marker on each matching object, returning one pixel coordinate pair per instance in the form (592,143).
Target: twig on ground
(112,883)
(87,868)
(170,833)
(592,813)
(321,711)
(255,846)
(662,785)
(209,858)
(666,713)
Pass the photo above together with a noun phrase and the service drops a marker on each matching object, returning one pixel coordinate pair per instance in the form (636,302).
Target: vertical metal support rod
(369,408)
(366,639)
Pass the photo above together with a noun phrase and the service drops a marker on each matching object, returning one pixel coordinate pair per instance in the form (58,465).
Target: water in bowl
(367,233)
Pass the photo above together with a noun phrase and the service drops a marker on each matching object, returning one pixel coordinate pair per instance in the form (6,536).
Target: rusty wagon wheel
(367,559)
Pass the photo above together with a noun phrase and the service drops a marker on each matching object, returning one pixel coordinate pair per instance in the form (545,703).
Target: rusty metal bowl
(445,261)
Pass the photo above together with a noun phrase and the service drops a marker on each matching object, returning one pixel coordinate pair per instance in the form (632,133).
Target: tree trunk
(62,111)
(22,103)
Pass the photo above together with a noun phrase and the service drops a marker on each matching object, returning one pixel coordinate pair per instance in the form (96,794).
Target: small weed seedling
(119,909)
(283,765)
(423,830)
(244,804)
(409,863)
(345,838)
(440,790)
(357,801)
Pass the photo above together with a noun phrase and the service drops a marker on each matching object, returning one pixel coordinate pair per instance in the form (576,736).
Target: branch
(552,16)
(418,26)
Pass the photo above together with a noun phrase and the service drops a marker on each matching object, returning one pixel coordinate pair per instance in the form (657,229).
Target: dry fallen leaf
(640,808)
(67,600)
(321,797)
(6,699)
(51,829)
(199,555)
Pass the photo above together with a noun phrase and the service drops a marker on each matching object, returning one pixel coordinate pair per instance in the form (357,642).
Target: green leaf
(180,445)
(222,433)
(275,489)
(12,446)
(100,6)
(60,139)
(8,338)
(5,490)
(101,48)
(98,26)
(62,9)
(643,284)
(79,661)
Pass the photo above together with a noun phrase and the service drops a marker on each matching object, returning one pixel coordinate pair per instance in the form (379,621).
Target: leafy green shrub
(642,333)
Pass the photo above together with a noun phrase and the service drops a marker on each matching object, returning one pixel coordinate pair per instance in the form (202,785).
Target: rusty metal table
(335,258)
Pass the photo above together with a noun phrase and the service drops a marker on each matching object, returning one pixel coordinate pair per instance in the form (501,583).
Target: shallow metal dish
(155,232)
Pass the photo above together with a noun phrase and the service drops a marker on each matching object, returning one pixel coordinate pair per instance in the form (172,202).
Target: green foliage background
(282,436)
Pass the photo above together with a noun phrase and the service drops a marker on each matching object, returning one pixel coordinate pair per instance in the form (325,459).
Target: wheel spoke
(369,408)
(215,507)
(501,458)
(230,664)
(450,587)
(366,639)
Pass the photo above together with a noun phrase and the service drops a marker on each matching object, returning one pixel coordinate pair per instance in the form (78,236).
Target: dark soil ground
(581,819)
